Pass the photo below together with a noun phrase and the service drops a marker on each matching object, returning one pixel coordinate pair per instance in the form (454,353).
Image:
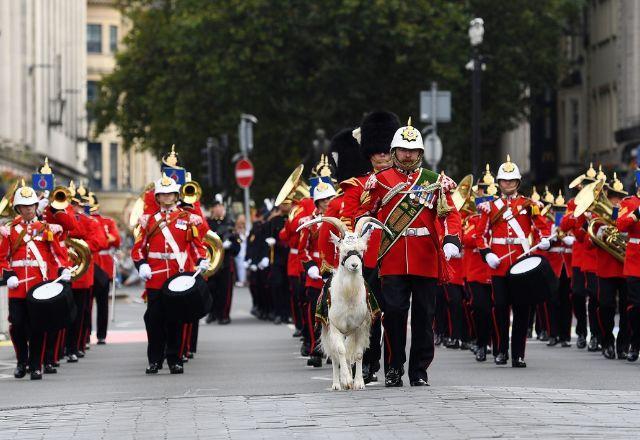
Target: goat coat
(324,302)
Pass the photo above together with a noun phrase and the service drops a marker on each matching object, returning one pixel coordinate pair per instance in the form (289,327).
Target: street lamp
(476,33)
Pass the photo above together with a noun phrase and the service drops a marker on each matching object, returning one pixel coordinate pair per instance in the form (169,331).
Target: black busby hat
(376,131)
(346,153)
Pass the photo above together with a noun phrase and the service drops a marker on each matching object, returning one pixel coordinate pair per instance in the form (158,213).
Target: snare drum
(186,298)
(531,280)
(51,306)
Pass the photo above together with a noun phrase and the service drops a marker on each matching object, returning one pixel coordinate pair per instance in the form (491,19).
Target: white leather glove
(569,240)
(492,260)
(246,264)
(226,244)
(450,251)
(13,282)
(203,265)
(253,268)
(145,272)
(544,244)
(42,204)
(264,263)
(314,273)
(65,275)
(270,241)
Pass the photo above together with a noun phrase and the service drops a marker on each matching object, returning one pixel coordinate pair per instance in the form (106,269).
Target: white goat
(346,335)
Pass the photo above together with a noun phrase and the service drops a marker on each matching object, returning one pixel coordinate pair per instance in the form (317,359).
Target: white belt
(510,240)
(163,255)
(294,251)
(107,253)
(556,250)
(416,232)
(24,263)
(634,240)
(568,250)
(316,254)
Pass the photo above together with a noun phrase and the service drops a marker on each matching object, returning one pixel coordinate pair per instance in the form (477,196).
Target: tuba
(215,252)
(294,188)
(60,197)
(5,203)
(80,256)
(592,198)
(462,195)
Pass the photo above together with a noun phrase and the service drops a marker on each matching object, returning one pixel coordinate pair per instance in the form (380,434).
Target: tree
(191,67)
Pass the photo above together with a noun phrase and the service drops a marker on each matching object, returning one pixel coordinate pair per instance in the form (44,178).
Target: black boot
(609,352)
(20,371)
(543,336)
(176,369)
(518,363)
(501,359)
(581,342)
(553,341)
(314,361)
(152,368)
(632,356)
(565,344)
(36,375)
(393,378)
(593,344)
(49,369)
(305,350)
(481,354)
(453,343)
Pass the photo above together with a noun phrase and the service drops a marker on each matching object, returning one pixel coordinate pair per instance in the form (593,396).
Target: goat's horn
(332,220)
(309,223)
(362,222)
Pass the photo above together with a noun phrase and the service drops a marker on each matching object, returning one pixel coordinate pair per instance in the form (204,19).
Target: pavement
(249,381)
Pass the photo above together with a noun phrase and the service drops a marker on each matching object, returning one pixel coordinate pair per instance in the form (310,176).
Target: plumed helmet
(346,154)
(166,185)
(376,132)
(407,137)
(508,171)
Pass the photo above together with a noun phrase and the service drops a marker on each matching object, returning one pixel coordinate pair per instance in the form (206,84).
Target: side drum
(186,298)
(531,280)
(51,306)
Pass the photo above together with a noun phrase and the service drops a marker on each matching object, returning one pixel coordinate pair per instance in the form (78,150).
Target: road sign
(244,173)
(432,149)
(443,106)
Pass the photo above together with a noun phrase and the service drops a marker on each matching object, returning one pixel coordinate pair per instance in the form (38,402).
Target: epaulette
(143,221)
(5,231)
(55,228)
(353,181)
(195,219)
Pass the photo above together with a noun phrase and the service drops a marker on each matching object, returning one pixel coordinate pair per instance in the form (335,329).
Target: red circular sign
(244,173)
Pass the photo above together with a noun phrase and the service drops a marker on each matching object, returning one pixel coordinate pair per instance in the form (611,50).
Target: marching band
(477,264)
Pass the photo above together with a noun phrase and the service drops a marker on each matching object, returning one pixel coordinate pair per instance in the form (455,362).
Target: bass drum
(186,298)
(51,306)
(531,280)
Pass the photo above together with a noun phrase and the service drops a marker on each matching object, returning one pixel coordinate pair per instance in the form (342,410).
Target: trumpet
(60,198)
(190,192)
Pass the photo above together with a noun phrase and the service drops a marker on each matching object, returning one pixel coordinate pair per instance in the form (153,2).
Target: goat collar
(349,254)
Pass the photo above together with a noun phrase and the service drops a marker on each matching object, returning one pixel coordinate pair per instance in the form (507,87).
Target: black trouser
(579,301)
(592,292)
(263,292)
(28,342)
(481,305)
(76,331)
(52,346)
(279,291)
(101,283)
(373,353)
(163,333)
(400,292)
(559,309)
(221,290)
(454,295)
(608,289)
(441,323)
(294,299)
(502,299)
(633,310)
(193,336)
(311,333)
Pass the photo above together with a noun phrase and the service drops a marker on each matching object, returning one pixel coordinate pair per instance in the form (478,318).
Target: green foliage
(192,66)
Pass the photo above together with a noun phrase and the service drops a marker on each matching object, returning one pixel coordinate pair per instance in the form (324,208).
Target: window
(113,38)
(94,164)
(113,166)
(92,94)
(94,38)
(575,128)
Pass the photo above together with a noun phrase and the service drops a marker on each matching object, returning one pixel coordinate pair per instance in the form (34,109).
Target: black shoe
(210,318)
(56,364)
(553,341)
(191,355)
(101,342)
(80,354)
(176,369)
(20,371)
(419,383)
(314,361)
(518,363)
(224,321)
(565,344)
(593,344)
(465,346)
(609,352)
(152,368)
(72,358)
(438,340)
(277,320)
(501,359)
(622,355)
(543,336)
(632,356)
(370,377)
(297,333)
(481,354)
(305,350)
(473,348)
(581,342)
(393,378)
(453,343)
(49,369)
(184,359)
(36,375)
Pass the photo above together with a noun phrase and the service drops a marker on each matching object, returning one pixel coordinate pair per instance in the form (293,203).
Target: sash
(181,257)
(404,212)
(513,223)
(42,265)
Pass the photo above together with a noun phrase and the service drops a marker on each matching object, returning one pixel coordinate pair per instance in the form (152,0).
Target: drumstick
(159,271)
(527,252)
(196,273)
(25,280)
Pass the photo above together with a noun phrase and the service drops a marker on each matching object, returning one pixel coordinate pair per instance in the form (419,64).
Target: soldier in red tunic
(410,200)
(508,220)
(161,251)
(30,252)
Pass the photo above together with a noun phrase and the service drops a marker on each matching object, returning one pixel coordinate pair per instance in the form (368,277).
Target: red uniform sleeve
(139,249)
(114,234)
(5,249)
(627,220)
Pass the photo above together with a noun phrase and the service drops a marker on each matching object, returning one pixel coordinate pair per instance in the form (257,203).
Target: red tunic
(354,197)
(309,251)
(507,236)
(570,224)
(475,269)
(420,254)
(152,247)
(105,258)
(16,257)
(628,222)
(91,231)
(289,235)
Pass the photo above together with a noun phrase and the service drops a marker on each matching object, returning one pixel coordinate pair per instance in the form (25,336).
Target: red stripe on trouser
(13,341)
(598,312)
(546,317)
(227,305)
(44,346)
(182,340)
(448,300)
(56,349)
(387,343)
(312,333)
(495,320)
(189,334)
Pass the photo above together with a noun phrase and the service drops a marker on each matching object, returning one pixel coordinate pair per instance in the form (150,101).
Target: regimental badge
(409,134)
(26,192)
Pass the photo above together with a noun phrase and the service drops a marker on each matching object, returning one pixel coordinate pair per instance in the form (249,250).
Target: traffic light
(211,163)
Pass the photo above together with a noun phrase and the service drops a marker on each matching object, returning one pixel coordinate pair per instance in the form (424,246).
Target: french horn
(215,252)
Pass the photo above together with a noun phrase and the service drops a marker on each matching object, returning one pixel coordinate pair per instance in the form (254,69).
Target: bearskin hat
(377,130)
(346,153)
